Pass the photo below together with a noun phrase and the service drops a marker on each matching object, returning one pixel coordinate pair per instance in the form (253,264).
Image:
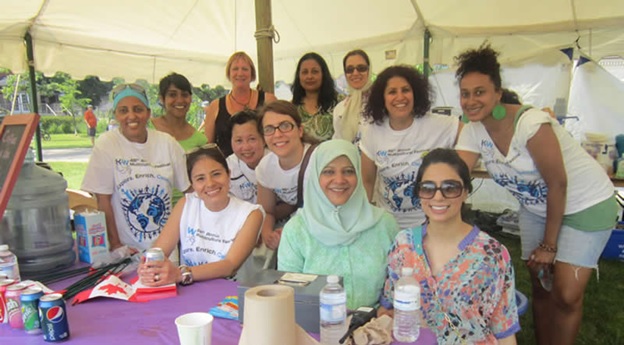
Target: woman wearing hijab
(338,231)
(348,118)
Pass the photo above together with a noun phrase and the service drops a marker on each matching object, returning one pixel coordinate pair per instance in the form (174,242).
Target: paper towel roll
(269,316)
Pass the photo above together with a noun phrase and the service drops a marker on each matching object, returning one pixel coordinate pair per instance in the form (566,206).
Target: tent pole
(264,37)
(426,67)
(33,90)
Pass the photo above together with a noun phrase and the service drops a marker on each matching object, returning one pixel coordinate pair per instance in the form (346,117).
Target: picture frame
(16,132)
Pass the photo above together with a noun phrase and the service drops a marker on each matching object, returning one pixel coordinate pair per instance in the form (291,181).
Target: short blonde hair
(244,57)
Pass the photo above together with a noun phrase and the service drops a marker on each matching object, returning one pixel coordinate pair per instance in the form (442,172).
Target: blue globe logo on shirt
(147,211)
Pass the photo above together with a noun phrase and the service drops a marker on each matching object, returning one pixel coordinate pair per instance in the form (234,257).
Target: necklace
(245,105)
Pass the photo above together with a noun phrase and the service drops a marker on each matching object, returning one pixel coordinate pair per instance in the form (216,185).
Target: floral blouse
(475,290)
(319,125)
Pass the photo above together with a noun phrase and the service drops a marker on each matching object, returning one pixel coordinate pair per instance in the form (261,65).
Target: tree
(91,87)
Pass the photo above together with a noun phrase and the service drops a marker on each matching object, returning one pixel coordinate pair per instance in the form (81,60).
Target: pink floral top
(475,290)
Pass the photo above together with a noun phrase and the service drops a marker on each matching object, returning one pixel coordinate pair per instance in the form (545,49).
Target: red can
(4,284)
(14,306)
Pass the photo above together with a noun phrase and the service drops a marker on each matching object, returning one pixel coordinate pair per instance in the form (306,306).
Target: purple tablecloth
(111,321)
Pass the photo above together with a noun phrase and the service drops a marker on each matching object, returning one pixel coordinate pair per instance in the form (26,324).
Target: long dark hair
(328,97)
(452,159)
(376,107)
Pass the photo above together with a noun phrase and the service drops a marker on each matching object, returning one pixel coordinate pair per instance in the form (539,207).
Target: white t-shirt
(339,111)
(588,183)
(140,178)
(398,155)
(243,183)
(282,182)
(207,236)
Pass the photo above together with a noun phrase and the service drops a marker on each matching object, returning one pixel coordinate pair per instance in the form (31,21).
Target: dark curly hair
(482,60)
(376,107)
(328,97)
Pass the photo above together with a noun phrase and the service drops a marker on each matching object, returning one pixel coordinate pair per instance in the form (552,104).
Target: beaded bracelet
(547,248)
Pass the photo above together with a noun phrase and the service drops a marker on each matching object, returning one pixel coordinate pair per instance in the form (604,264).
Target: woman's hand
(158,273)
(383,311)
(540,257)
(272,239)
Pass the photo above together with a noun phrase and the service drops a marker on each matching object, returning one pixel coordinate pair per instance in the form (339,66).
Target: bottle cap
(406,271)
(333,279)
(4,247)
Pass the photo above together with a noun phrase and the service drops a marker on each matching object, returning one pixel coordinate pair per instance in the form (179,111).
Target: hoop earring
(499,112)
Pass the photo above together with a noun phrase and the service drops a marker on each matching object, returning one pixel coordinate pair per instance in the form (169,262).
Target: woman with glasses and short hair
(348,114)
(216,231)
(401,133)
(466,277)
(132,172)
(239,70)
(278,171)
(315,96)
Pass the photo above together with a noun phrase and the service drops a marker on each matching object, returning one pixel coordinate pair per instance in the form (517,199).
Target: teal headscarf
(336,225)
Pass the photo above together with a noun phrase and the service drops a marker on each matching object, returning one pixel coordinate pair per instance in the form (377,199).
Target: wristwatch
(187,275)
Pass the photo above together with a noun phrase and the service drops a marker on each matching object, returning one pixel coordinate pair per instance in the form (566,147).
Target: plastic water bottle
(406,326)
(8,263)
(545,276)
(333,308)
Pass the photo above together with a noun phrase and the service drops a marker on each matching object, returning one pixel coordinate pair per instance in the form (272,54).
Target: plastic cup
(194,328)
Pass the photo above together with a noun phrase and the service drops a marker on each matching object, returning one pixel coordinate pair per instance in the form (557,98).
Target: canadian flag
(114,287)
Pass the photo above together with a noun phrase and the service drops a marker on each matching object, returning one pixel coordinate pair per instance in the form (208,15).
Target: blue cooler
(615,247)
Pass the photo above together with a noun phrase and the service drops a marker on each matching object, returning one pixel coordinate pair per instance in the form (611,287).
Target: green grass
(603,315)
(73,172)
(65,141)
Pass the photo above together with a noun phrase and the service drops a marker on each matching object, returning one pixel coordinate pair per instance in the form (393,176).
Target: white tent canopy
(140,39)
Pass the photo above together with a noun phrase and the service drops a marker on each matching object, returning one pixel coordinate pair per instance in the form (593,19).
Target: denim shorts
(575,247)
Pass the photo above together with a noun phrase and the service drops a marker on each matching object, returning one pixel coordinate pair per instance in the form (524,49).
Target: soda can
(154,254)
(14,311)
(30,310)
(53,317)
(4,284)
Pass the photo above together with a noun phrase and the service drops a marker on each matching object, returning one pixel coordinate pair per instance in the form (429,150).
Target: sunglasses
(359,68)
(450,189)
(136,87)
(283,127)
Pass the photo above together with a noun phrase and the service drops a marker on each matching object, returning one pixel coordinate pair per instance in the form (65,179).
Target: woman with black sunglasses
(466,277)
(132,172)
(348,114)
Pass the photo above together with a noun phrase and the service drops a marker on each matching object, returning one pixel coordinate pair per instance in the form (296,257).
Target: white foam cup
(194,328)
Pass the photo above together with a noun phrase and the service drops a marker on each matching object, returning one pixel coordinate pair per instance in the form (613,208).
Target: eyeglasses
(283,127)
(450,189)
(359,68)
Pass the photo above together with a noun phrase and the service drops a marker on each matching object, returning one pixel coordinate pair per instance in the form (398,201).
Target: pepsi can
(53,316)
(30,310)
(154,254)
